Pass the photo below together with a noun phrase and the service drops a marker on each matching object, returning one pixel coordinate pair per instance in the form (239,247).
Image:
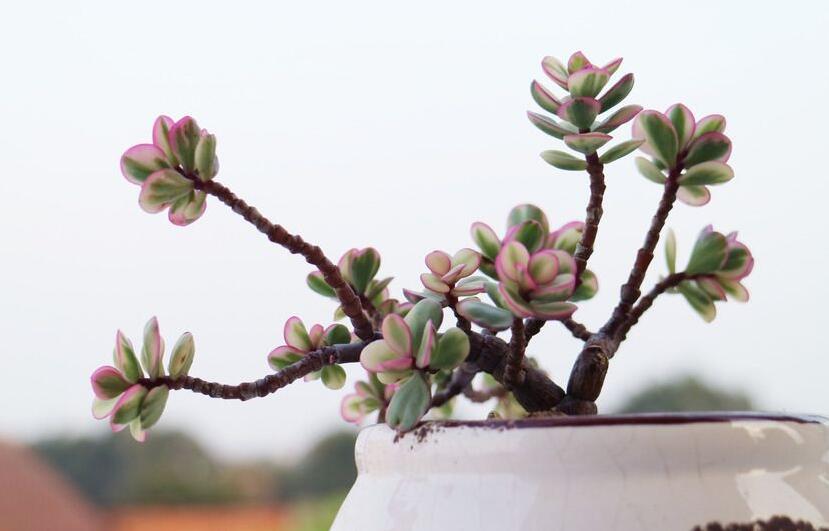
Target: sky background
(392,125)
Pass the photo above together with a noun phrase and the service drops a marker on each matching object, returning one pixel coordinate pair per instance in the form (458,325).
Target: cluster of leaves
(580,128)
(359,267)
(717,265)
(676,142)
(119,396)
(410,352)
(367,397)
(299,341)
(178,149)
(532,268)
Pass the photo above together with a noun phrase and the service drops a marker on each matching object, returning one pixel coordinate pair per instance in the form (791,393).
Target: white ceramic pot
(649,472)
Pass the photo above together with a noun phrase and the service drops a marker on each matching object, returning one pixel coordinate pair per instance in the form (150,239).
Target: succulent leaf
(620,150)
(409,403)
(563,161)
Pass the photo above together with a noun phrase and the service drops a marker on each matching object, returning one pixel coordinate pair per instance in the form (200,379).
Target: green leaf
(205,157)
(125,359)
(660,135)
(153,406)
(182,356)
(129,405)
(531,234)
(683,122)
(581,112)
(670,251)
(650,171)
(364,265)
(617,92)
(163,188)
(548,125)
(587,82)
(699,300)
(333,376)
(544,98)
(319,285)
(711,172)
(425,310)
(693,195)
(562,160)
(486,239)
(710,146)
(376,287)
(485,315)
(337,335)
(620,150)
(587,143)
(452,349)
(588,288)
(152,351)
(409,403)
(709,253)
(526,212)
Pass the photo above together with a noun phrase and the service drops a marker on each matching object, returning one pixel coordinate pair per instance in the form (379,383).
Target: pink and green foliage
(359,268)
(448,273)
(531,274)
(534,268)
(120,393)
(410,351)
(717,265)
(166,169)
(299,341)
(579,109)
(367,398)
(696,151)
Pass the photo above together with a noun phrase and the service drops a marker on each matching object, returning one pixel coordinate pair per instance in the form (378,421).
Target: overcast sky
(394,126)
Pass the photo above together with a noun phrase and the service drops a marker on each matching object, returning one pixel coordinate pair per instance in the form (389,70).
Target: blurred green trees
(172,469)
(685,393)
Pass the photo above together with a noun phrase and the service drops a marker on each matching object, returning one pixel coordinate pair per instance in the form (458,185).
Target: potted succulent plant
(543,459)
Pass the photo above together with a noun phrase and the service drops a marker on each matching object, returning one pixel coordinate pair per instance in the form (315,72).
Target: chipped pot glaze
(650,472)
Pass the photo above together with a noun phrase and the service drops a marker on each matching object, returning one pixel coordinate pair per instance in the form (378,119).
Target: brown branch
(351,304)
(515,357)
(533,326)
(462,322)
(536,391)
(578,330)
(629,292)
(593,215)
(482,396)
(589,370)
(461,379)
(647,300)
(313,361)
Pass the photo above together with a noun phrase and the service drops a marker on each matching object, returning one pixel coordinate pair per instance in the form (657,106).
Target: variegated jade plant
(531,275)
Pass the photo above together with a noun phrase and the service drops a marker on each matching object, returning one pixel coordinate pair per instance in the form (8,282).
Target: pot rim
(635,419)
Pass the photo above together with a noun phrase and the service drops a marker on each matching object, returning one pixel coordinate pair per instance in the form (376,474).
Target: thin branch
(515,357)
(479,397)
(461,379)
(578,330)
(313,361)
(351,304)
(535,392)
(647,300)
(630,290)
(462,322)
(533,326)
(589,370)
(593,215)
